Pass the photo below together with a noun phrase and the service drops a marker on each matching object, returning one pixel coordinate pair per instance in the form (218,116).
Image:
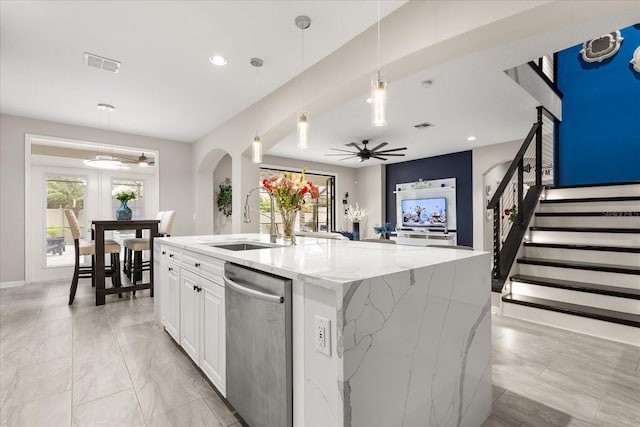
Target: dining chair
(131,246)
(83,247)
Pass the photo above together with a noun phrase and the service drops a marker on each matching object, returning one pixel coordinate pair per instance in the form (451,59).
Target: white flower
(123,192)
(356,214)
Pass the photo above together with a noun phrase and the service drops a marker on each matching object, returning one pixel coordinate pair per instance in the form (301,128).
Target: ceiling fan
(142,160)
(365,153)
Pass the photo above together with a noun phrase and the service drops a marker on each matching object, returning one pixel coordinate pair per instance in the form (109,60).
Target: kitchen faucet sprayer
(247,215)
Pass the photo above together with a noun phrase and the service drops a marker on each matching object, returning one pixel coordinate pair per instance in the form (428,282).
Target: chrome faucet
(247,215)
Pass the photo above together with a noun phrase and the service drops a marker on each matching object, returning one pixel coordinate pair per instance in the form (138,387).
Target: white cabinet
(212,350)
(190,314)
(200,292)
(167,284)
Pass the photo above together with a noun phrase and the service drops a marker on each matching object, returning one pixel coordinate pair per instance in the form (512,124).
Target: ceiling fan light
(256,149)
(378,102)
(143,161)
(105,162)
(303,131)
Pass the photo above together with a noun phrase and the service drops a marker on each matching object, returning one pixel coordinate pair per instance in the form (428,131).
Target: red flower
(507,211)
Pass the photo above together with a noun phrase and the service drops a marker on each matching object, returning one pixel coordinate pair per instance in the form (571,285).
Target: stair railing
(516,198)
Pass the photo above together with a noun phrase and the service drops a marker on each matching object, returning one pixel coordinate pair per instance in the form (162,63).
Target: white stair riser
(588,221)
(599,191)
(601,277)
(626,305)
(601,257)
(590,238)
(584,325)
(621,206)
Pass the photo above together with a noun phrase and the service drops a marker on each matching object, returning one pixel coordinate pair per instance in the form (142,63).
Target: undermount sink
(243,246)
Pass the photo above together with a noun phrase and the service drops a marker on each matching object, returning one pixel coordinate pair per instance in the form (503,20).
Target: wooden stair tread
(613,268)
(610,214)
(592,199)
(619,317)
(579,246)
(588,229)
(594,288)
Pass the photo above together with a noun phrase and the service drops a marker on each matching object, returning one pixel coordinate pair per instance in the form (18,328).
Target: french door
(86,191)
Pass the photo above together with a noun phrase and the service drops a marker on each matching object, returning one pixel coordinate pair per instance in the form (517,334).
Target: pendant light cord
(378,39)
(302,56)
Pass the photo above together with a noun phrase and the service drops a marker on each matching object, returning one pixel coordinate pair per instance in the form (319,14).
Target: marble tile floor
(110,366)
(85,365)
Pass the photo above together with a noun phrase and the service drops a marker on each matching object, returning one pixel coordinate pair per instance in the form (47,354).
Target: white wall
(483,159)
(370,194)
(175,180)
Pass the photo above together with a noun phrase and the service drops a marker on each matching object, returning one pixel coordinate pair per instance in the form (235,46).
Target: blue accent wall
(599,137)
(455,165)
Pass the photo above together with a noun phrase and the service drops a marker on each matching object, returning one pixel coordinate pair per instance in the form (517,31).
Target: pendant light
(106,161)
(378,91)
(303,22)
(256,144)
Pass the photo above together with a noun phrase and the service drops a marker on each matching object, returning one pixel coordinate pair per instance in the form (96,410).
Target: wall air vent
(423,125)
(101,63)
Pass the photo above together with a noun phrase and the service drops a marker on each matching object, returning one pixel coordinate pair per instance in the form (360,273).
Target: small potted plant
(225,198)
(124,194)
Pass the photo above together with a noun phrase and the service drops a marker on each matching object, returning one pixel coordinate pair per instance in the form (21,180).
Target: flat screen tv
(424,212)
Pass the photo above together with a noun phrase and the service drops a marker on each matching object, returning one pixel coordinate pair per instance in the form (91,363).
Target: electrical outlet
(323,335)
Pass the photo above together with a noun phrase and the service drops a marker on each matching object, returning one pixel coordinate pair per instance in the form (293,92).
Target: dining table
(99,228)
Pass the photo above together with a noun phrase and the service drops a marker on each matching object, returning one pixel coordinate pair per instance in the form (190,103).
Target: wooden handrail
(493,203)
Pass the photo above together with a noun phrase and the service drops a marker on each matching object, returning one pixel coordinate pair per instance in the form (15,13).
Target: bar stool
(83,247)
(131,246)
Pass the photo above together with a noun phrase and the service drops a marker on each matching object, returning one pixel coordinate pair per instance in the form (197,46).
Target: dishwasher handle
(253,292)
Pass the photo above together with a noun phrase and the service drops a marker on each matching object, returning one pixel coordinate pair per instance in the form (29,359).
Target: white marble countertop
(324,262)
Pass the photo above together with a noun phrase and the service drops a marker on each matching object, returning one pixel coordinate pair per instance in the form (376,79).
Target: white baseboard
(11,284)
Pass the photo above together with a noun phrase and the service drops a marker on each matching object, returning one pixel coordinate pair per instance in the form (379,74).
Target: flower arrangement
(124,193)
(289,189)
(384,230)
(511,213)
(356,214)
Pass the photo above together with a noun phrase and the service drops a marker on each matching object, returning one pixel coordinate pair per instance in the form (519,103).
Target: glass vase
(288,223)
(356,231)
(123,213)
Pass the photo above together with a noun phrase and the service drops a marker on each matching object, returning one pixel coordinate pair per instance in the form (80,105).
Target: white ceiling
(166,86)
(168,89)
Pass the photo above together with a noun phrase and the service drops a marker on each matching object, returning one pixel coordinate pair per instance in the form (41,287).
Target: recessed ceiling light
(106,107)
(471,138)
(218,60)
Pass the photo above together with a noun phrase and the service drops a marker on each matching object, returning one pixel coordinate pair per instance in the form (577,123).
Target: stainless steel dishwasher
(259,366)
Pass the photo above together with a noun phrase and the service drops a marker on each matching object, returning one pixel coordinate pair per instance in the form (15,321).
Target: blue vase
(123,213)
(356,231)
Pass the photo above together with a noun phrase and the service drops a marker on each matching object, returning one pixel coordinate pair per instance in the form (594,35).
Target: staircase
(579,266)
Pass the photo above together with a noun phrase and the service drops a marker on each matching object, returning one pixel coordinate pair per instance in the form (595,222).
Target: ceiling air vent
(423,125)
(101,63)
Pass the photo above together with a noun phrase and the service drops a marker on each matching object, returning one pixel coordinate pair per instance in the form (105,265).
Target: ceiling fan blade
(346,158)
(392,149)
(379,158)
(391,154)
(340,154)
(379,146)
(342,151)
(353,144)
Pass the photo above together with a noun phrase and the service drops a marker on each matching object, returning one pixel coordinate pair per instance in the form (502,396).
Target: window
(316,215)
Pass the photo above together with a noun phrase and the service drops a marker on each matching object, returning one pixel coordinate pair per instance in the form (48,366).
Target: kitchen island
(409,329)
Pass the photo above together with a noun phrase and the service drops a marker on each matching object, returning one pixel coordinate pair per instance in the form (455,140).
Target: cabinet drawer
(208,267)
(172,254)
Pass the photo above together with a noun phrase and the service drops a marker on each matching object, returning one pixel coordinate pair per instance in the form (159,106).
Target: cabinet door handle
(199,289)
(195,288)
(197,264)
(164,252)
(170,255)
(170,268)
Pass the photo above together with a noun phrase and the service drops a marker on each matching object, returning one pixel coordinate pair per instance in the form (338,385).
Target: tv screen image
(424,212)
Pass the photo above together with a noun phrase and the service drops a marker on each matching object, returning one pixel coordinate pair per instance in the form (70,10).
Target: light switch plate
(323,335)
